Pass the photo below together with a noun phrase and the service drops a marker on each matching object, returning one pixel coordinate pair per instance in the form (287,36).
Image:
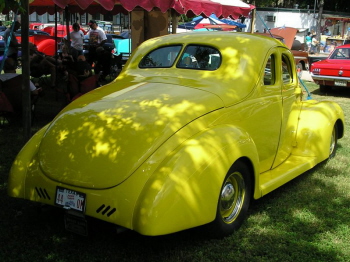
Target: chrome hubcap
(232,197)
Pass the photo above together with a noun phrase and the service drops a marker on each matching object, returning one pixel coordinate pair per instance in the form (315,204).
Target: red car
(333,71)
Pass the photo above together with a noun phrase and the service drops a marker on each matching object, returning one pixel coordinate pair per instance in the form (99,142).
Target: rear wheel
(233,201)
(333,145)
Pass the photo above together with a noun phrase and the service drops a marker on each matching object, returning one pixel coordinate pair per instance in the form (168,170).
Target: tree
(318,24)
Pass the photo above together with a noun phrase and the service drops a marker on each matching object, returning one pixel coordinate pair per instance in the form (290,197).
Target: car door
(268,116)
(260,114)
(290,107)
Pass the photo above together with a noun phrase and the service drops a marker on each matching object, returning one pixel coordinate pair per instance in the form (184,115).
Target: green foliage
(13,5)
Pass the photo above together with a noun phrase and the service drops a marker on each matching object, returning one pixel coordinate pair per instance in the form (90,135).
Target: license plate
(341,83)
(70,199)
(76,224)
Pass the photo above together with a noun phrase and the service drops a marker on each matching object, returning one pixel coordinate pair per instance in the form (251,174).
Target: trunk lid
(100,140)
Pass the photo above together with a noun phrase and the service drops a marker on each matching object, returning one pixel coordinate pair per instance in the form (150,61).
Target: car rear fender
(184,189)
(18,172)
(315,127)
(47,47)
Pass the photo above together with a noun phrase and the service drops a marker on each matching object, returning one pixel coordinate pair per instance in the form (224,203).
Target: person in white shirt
(76,41)
(97,38)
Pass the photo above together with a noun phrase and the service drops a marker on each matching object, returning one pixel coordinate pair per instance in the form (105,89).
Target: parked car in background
(32,32)
(122,47)
(45,42)
(61,30)
(191,130)
(36,26)
(334,71)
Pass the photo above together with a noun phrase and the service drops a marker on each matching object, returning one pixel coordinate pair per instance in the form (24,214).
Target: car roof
(221,39)
(32,32)
(343,46)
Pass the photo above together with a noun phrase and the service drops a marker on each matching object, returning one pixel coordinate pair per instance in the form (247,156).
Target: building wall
(303,19)
(280,18)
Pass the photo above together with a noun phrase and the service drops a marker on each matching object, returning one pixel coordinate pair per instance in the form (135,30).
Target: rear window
(341,53)
(200,57)
(161,57)
(193,57)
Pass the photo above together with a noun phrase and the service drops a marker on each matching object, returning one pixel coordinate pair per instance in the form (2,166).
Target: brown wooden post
(26,100)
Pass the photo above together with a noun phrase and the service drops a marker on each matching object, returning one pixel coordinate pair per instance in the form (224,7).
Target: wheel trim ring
(230,209)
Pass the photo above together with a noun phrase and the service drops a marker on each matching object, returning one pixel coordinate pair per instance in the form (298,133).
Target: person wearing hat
(13,45)
(97,38)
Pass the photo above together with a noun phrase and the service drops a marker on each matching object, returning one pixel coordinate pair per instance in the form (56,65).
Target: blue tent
(212,20)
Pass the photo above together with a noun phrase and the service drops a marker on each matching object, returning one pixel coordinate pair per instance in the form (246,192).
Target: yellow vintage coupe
(195,127)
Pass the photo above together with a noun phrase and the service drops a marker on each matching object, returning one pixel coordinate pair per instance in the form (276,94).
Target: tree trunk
(318,24)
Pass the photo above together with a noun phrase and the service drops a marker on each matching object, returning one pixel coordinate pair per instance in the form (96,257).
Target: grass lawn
(307,219)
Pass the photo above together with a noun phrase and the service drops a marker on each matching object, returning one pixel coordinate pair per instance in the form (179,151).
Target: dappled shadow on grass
(293,223)
(300,218)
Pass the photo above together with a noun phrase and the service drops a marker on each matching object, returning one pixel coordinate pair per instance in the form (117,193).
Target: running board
(289,169)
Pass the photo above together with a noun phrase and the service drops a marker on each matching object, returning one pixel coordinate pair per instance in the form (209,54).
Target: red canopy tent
(221,8)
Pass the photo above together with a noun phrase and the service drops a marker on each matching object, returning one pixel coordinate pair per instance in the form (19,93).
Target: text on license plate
(340,83)
(70,199)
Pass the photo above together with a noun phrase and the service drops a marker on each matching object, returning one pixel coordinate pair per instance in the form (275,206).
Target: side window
(200,57)
(286,71)
(269,73)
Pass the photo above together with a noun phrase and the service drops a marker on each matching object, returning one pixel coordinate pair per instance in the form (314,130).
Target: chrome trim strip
(329,78)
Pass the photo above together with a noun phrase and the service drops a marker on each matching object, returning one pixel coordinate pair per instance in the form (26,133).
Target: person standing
(77,40)
(308,40)
(314,44)
(13,45)
(97,38)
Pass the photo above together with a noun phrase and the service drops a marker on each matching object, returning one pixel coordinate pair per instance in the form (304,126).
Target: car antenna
(307,90)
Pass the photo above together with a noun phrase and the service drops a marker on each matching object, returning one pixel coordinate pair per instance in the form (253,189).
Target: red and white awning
(221,8)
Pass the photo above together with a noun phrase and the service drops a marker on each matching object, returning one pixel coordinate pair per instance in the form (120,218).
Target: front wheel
(233,201)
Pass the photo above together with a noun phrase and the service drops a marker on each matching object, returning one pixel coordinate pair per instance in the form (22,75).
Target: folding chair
(76,88)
